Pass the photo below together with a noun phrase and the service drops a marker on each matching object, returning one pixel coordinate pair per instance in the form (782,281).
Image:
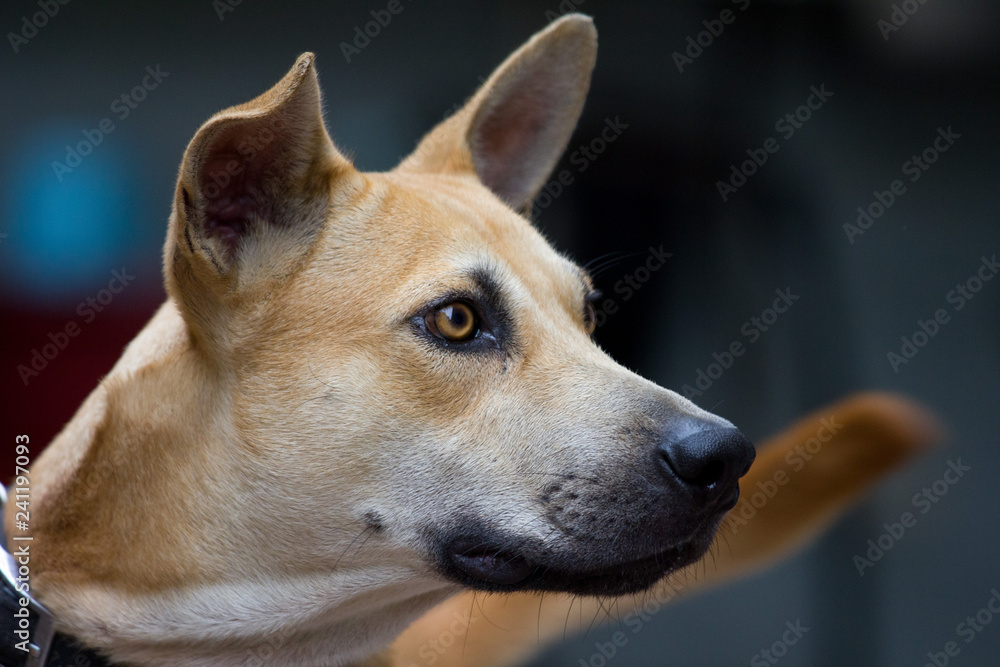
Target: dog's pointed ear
(254,188)
(513,130)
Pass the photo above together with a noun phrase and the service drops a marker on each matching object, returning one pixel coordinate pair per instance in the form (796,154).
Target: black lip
(623,578)
(493,567)
(473,564)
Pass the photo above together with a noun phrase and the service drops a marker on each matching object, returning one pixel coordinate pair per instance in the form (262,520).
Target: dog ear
(253,192)
(513,130)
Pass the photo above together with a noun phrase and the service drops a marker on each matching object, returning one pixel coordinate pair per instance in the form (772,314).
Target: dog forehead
(453,221)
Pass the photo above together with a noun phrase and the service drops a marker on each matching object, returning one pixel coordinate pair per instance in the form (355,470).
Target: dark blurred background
(65,230)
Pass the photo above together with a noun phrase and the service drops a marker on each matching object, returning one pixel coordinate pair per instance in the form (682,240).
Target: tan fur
(258,474)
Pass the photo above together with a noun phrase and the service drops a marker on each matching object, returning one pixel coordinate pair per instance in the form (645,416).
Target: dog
(367,392)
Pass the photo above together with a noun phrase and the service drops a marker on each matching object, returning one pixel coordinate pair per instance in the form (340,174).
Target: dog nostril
(713,459)
(710,474)
(691,469)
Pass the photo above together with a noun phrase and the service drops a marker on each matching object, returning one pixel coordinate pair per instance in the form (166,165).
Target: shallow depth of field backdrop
(686,143)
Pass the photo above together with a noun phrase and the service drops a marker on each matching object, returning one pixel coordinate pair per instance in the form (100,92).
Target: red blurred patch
(40,408)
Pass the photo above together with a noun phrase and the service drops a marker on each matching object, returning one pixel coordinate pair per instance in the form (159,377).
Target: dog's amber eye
(455,322)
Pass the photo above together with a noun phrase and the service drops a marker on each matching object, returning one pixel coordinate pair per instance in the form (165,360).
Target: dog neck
(148,462)
(322,620)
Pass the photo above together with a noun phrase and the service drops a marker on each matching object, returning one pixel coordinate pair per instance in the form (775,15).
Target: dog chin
(488,562)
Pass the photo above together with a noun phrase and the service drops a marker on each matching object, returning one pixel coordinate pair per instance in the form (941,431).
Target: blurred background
(100,98)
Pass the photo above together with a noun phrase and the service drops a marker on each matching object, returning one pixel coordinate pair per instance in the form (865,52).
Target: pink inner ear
(506,135)
(512,138)
(229,207)
(228,219)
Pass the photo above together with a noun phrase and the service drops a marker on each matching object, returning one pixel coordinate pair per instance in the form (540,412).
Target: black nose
(709,461)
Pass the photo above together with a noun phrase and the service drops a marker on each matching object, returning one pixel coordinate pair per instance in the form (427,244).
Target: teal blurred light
(63,237)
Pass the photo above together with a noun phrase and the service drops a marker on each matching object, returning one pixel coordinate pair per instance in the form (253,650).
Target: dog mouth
(477,564)
(491,566)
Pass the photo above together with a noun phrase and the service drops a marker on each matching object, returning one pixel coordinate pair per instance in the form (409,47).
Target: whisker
(468,626)
(356,538)
(364,541)
(538,625)
(601,268)
(601,258)
(595,269)
(568,612)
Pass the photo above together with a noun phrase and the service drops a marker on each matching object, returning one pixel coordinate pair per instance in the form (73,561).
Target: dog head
(409,364)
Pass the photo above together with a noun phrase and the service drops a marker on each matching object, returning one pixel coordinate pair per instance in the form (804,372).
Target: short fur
(272,465)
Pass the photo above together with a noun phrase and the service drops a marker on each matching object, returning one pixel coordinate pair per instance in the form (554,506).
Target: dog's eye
(590,312)
(455,322)
(589,318)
